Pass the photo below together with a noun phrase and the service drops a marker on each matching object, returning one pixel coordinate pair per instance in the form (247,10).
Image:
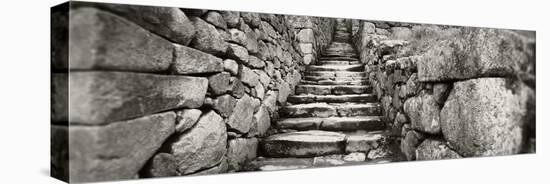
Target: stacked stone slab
(452,92)
(332,119)
(158,91)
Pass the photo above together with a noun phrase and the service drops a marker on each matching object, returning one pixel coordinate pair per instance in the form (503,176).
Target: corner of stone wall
(451,102)
(160,91)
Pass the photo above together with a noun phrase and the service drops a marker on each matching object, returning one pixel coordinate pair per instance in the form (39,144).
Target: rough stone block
(215,19)
(191,61)
(168,22)
(306,36)
(207,38)
(231,18)
(435,150)
(103,97)
(224,105)
(423,112)
(242,118)
(238,53)
(202,147)
(231,66)
(102,40)
(484,117)
(219,83)
(94,156)
(241,151)
(161,165)
(248,76)
(475,52)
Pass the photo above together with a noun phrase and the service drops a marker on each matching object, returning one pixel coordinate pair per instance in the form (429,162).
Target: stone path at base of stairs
(333,119)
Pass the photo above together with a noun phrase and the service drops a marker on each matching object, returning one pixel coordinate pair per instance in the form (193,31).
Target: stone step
(314,143)
(350,55)
(334,74)
(358,67)
(369,123)
(338,82)
(332,89)
(331,110)
(337,62)
(273,164)
(303,144)
(358,98)
(314,78)
(340,48)
(343,58)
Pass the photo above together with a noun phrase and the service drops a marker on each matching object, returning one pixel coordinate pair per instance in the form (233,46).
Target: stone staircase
(333,119)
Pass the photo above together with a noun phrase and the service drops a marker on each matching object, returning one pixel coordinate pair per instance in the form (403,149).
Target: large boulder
(117,150)
(207,38)
(102,40)
(473,53)
(423,112)
(202,147)
(103,97)
(168,22)
(483,117)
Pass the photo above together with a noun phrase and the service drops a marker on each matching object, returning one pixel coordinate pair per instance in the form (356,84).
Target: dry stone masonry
(452,92)
(159,91)
(151,91)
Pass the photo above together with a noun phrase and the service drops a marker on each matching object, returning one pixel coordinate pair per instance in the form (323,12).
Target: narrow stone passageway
(333,119)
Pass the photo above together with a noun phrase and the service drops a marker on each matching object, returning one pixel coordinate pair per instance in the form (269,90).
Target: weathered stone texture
(60,97)
(435,150)
(224,105)
(94,156)
(423,112)
(241,119)
(240,151)
(475,52)
(170,23)
(190,61)
(215,19)
(207,38)
(102,40)
(185,119)
(202,147)
(483,117)
(219,83)
(161,165)
(103,97)
(59,152)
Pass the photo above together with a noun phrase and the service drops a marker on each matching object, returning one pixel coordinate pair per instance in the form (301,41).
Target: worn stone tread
(331,110)
(304,144)
(328,67)
(336,82)
(335,74)
(272,164)
(345,58)
(358,98)
(337,62)
(332,89)
(370,123)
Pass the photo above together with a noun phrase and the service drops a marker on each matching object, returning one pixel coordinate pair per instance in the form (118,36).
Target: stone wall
(157,91)
(452,92)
